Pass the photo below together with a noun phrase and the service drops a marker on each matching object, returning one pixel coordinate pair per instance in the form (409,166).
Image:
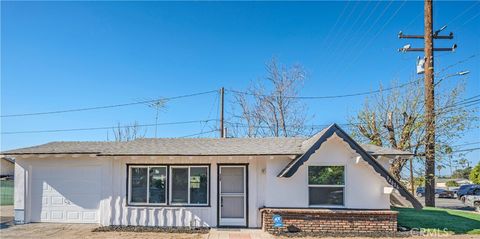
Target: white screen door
(233,207)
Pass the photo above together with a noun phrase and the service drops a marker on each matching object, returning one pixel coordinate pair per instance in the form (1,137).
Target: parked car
(466,189)
(420,191)
(439,193)
(443,193)
(454,190)
(473,200)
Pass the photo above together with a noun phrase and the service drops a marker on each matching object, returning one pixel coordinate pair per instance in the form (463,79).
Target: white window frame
(327,186)
(188,189)
(148,184)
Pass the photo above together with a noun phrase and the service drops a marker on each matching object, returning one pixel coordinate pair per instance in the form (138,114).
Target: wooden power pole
(429,82)
(429,108)
(222,96)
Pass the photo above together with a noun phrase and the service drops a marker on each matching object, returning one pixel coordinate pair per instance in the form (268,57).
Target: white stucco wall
(120,214)
(364,188)
(112,205)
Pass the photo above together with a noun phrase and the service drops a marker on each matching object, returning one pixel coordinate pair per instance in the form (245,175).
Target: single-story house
(442,182)
(326,182)
(7,166)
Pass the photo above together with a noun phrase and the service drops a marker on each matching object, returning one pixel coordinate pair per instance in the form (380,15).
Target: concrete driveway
(448,203)
(74,231)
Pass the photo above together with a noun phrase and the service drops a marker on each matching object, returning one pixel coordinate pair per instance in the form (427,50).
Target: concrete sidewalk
(73,231)
(217,233)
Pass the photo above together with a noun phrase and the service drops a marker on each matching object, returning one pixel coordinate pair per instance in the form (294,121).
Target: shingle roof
(173,146)
(190,146)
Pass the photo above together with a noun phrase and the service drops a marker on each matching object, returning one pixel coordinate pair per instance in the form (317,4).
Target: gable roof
(317,141)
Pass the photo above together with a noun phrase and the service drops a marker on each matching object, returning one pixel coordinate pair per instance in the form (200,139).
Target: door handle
(221,201)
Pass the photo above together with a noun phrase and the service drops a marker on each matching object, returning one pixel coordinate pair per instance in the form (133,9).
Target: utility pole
(429,108)
(222,96)
(429,82)
(412,180)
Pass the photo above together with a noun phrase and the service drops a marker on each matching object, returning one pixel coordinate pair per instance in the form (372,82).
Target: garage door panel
(66,194)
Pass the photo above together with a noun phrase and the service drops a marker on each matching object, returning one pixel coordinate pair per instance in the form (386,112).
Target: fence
(6,192)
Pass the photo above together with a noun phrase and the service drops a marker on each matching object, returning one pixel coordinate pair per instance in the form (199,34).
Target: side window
(326,185)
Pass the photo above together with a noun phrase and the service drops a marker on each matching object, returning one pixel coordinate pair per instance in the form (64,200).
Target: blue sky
(62,55)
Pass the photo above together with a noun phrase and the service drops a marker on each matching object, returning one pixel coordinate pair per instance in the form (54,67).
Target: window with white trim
(326,185)
(147,185)
(189,185)
(185,184)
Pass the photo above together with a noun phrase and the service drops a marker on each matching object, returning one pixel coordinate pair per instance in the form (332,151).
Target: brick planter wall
(332,221)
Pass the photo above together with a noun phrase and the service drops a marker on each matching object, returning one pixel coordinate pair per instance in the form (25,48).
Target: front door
(232,181)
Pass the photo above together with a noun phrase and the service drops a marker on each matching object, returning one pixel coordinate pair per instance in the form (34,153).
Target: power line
(197,134)
(462,13)
(330,96)
(106,127)
(108,106)
(465,150)
(365,92)
(215,102)
(465,144)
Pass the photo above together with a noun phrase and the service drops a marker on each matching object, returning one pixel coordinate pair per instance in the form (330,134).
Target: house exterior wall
(7,168)
(112,203)
(119,213)
(364,187)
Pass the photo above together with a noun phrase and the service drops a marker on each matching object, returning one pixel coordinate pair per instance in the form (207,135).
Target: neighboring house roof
(377,150)
(325,134)
(444,180)
(8,159)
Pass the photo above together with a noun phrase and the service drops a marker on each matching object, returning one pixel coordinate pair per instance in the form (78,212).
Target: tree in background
(462,173)
(419,182)
(475,174)
(269,107)
(394,118)
(123,133)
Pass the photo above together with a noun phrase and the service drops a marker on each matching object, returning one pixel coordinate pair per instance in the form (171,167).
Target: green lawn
(455,221)
(6,192)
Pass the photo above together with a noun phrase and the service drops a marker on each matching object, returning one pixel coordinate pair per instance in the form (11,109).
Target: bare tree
(395,119)
(128,132)
(272,109)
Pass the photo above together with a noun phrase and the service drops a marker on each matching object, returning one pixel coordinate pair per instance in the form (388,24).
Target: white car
(473,200)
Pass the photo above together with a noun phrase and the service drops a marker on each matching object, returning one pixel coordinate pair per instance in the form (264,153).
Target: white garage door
(68,194)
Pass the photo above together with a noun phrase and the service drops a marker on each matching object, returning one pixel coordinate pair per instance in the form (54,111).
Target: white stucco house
(227,182)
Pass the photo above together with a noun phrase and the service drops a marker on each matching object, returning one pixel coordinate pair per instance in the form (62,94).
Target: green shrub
(451,183)
(475,174)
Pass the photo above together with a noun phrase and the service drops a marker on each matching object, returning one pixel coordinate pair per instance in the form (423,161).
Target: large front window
(186,185)
(148,184)
(189,185)
(326,185)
